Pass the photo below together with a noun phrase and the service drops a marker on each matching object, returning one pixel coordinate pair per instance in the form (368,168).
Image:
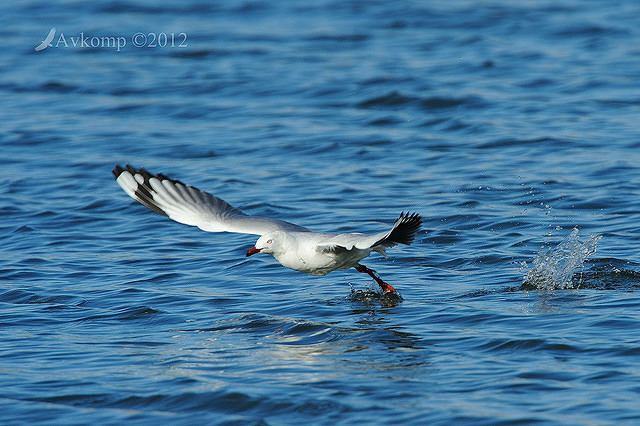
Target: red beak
(252,251)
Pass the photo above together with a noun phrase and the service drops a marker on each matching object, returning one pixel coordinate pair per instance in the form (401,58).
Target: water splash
(553,268)
(373,296)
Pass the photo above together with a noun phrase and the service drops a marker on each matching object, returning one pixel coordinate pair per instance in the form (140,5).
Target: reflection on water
(298,351)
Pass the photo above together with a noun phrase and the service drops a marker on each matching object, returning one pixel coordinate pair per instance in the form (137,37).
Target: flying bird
(294,246)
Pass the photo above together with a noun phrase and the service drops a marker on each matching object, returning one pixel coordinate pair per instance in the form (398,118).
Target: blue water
(512,127)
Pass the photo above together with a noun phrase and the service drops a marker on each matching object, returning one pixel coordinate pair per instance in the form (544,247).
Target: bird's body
(316,253)
(294,246)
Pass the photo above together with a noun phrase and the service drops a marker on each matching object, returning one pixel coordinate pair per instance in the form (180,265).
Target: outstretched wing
(404,231)
(188,205)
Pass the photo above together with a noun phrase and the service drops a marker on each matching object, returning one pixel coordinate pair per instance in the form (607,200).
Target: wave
(395,99)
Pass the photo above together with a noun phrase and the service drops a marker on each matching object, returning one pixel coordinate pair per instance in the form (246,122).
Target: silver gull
(293,246)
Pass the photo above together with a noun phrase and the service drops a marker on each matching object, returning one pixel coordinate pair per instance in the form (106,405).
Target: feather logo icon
(47,41)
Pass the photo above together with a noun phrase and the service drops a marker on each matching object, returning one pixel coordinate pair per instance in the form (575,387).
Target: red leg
(386,288)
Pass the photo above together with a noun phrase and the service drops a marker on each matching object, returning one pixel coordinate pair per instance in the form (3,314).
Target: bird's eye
(269,241)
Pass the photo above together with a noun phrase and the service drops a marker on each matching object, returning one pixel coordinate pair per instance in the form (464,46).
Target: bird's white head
(267,243)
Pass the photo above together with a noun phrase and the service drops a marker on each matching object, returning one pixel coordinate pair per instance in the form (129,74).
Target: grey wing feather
(191,206)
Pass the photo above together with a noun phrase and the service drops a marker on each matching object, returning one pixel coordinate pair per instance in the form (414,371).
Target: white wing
(188,205)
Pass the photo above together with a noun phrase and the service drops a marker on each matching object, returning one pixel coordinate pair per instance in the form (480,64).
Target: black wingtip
(117,171)
(405,228)
(143,191)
